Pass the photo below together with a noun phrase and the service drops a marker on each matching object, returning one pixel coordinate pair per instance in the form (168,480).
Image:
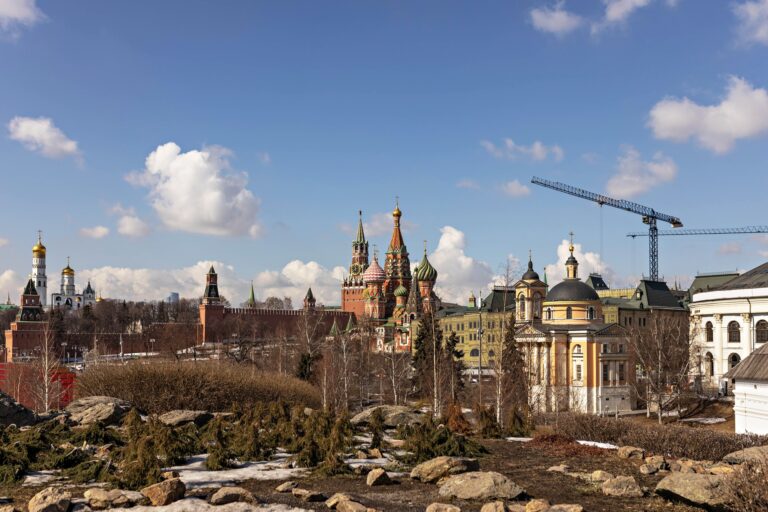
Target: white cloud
(515,189)
(468,184)
(10,284)
(128,222)
(509,150)
(555,20)
(19,12)
(753,21)
(743,113)
(589,262)
(41,135)
(617,12)
(198,192)
(458,274)
(94,232)
(296,277)
(730,248)
(636,176)
(378,224)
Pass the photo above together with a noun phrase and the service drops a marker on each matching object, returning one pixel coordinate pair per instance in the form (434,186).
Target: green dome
(401,291)
(426,272)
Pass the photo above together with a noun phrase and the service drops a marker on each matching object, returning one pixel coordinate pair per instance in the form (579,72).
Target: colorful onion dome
(401,291)
(374,273)
(425,271)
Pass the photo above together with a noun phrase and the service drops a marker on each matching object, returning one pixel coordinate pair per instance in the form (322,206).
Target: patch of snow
(605,446)
(704,421)
(195,474)
(198,505)
(353,463)
(520,439)
(35,478)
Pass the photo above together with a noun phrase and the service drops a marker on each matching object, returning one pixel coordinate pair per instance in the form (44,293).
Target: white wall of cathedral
(735,317)
(39,278)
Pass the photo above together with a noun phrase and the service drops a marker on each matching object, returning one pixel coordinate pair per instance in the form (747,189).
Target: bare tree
(45,386)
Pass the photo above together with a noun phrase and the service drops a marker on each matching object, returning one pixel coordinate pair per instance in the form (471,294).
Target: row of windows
(569,313)
(476,353)
(709,363)
(474,337)
(734,332)
(641,322)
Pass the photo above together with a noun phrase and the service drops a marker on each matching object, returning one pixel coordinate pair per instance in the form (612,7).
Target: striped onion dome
(426,272)
(374,273)
(401,291)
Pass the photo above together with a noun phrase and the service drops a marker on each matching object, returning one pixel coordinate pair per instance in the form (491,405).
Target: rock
(362,469)
(99,498)
(8,508)
(394,415)
(434,469)
(167,475)
(377,476)
(93,409)
(13,413)
(754,454)
(622,487)
(480,485)
(565,508)
(50,499)
(494,506)
(657,461)
(337,498)
(538,505)
(351,506)
(182,417)
(232,495)
(165,492)
(307,495)
(722,469)
(515,507)
(562,468)
(286,486)
(600,476)
(648,469)
(375,453)
(442,507)
(630,452)
(360,454)
(701,490)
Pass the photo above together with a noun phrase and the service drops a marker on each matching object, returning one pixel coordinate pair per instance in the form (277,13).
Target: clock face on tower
(355,269)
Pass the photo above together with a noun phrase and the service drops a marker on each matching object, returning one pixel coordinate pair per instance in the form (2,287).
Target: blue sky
(277,121)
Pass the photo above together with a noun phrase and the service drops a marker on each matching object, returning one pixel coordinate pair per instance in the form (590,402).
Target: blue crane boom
(705,231)
(650,216)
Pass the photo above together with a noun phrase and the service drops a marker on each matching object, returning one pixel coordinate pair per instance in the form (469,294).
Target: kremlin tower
(353,286)
(38,277)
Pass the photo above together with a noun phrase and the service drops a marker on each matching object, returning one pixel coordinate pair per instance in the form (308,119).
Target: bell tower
(38,277)
(352,286)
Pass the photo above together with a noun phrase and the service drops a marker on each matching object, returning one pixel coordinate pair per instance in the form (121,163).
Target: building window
(474,353)
(709,365)
(577,349)
(606,374)
(761,331)
(605,348)
(710,332)
(578,372)
(491,353)
(521,307)
(549,314)
(590,313)
(733,360)
(734,332)
(621,372)
(568,313)
(537,305)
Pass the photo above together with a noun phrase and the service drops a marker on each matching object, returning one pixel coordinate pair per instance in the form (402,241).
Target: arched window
(537,305)
(568,313)
(709,365)
(733,360)
(577,349)
(521,307)
(491,353)
(590,313)
(710,332)
(734,332)
(761,331)
(548,314)
(474,353)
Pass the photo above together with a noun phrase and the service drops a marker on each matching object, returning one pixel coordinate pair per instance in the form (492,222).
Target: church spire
(360,233)
(251,298)
(396,244)
(571,264)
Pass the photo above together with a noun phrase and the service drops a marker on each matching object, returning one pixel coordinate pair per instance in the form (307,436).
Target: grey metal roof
(755,278)
(571,289)
(708,282)
(754,367)
(656,294)
(597,282)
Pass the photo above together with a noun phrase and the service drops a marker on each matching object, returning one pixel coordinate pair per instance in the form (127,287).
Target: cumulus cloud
(743,113)
(458,273)
(589,262)
(128,223)
(467,184)
(515,189)
(94,232)
(296,277)
(378,224)
(198,192)
(39,134)
(617,12)
(555,20)
(509,150)
(753,21)
(635,176)
(729,248)
(10,284)
(16,13)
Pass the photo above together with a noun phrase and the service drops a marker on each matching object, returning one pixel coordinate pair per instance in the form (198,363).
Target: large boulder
(480,485)
(377,476)
(165,492)
(706,491)
(13,413)
(754,454)
(232,495)
(51,499)
(630,452)
(182,417)
(97,409)
(99,498)
(434,469)
(622,487)
(394,415)
(442,507)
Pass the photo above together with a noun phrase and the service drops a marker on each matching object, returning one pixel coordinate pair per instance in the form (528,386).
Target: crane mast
(649,215)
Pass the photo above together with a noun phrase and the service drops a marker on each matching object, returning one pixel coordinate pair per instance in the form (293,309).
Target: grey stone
(622,487)
(630,452)
(697,489)
(377,476)
(232,495)
(182,417)
(754,454)
(286,486)
(51,499)
(93,409)
(434,469)
(13,413)
(394,415)
(480,485)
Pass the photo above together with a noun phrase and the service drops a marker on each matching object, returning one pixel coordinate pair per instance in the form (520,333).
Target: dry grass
(746,487)
(672,440)
(158,387)
(562,445)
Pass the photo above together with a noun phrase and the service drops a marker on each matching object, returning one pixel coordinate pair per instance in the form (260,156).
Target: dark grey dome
(571,289)
(530,274)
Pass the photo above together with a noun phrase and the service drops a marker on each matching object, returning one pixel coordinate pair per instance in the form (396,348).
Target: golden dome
(67,271)
(38,250)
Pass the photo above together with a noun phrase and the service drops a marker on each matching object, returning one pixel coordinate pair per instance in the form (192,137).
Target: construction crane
(650,216)
(705,231)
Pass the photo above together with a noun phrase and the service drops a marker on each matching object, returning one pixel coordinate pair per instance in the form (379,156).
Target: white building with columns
(68,298)
(729,323)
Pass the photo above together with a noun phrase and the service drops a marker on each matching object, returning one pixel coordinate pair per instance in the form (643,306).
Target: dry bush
(672,440)
(158,387)
(746,489)
(562,445)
